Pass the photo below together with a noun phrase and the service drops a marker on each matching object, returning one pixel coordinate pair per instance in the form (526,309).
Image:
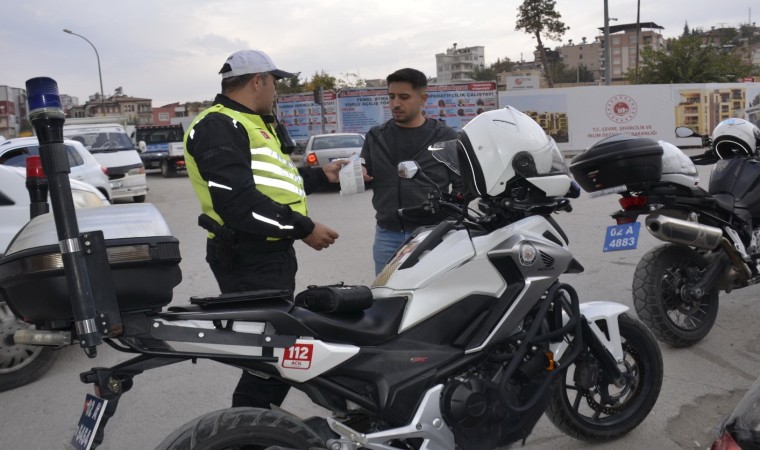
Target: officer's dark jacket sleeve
(222,153)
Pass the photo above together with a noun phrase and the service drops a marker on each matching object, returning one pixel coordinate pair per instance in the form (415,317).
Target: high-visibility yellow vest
(273,172)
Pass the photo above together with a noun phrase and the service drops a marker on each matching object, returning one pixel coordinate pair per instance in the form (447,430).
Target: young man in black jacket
(405,137)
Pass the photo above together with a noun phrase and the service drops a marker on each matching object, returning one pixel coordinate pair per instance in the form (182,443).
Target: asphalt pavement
(701,384)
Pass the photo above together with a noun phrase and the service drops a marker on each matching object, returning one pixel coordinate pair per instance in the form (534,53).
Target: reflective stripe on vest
(273,172)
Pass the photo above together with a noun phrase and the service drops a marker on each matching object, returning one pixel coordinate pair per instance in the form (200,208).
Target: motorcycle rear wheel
(605,411)
(242,428)
(659,296)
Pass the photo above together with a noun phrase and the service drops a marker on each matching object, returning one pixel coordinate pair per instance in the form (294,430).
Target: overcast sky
(171,50)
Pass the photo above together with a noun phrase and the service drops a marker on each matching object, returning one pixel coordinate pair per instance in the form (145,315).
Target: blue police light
(45,110)
(42,95)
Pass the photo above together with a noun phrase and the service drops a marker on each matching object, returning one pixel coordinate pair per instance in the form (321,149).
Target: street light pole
(607,52)
(100,76)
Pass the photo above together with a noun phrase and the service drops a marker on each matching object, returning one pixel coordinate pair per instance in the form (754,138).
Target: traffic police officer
(252,197)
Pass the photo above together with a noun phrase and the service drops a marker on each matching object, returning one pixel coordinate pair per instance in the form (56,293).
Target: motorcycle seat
(373,326)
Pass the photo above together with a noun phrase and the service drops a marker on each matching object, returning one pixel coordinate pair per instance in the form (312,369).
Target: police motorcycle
(712,237)
(466,338)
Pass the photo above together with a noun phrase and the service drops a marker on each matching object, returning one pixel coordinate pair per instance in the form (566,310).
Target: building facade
(13,111)
(626,42)
(138,111)
(459,64)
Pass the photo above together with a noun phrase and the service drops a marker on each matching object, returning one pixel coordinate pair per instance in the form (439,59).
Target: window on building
(616,51)
(616,41)
(632,39)
(163,117)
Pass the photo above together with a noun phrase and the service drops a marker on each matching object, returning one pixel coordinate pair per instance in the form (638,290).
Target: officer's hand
(321,237)
(331,170)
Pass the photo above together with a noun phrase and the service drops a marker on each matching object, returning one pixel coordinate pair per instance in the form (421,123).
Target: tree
(350,80)
(687,60)
(292,85)
(539,18)
(321,79)
(562,73)
(489,73)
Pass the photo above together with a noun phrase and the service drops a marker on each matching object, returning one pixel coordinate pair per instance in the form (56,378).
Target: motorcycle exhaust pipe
(41,337)
(680,231)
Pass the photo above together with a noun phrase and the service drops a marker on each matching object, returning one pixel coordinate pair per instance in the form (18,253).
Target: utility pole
(607,52)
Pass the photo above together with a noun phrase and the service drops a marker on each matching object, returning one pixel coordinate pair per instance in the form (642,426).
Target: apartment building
(459,64)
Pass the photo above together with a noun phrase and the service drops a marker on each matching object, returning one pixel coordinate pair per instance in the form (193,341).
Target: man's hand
(333,168)
(321,237)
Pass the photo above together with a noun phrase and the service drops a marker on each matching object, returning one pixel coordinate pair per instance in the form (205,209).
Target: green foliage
(350,80)
(489,73)
(562,73)
(321,79)
(539,18)
(291,85)
(686,60)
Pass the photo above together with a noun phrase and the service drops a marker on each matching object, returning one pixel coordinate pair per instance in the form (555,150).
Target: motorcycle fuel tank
(739,177)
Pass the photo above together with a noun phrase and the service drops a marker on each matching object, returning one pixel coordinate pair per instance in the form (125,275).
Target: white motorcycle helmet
(503,145)
(735,138)
(677,167)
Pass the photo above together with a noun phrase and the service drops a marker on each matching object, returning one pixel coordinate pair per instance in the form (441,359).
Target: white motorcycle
(464,340)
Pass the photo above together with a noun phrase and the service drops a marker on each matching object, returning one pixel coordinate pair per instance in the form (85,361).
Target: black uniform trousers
(256,268)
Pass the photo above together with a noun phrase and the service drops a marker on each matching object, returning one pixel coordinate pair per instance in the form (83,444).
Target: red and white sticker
(298,356)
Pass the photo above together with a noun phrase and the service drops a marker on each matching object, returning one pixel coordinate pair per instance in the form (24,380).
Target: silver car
(84,167)
(324,148)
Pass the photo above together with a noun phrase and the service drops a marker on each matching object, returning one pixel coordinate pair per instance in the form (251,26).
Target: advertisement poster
(581,116)
(303,118)
(455,104)
(361,109)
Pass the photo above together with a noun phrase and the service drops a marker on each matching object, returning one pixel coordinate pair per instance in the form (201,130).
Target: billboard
(360,109)
(578,117)
(303,117)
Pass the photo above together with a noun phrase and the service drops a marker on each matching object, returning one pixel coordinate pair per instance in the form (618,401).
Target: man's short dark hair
(417,79)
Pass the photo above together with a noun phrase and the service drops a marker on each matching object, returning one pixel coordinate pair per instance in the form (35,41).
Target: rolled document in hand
(351,179)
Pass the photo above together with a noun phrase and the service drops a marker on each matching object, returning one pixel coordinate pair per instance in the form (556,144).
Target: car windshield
(104,142)
(328,142)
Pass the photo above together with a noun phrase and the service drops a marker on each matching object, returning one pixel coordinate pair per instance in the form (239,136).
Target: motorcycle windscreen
(744,421)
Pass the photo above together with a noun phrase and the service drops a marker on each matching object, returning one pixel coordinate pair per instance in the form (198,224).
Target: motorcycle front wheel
(242,428)
(606,410)
(661,298)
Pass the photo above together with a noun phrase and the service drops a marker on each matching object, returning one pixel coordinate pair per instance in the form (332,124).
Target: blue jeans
(386,244)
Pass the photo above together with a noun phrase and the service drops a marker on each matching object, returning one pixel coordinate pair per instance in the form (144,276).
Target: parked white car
(84,166)
(111,146)
(323,148)
(22,364)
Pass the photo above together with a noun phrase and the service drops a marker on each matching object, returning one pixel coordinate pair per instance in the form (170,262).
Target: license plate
(622,237)
(115,184)
(92,412)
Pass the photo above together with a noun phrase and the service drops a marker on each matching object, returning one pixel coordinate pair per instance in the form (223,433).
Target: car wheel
(20,364)
(139,198)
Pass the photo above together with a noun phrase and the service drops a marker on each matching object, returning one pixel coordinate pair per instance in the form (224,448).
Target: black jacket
(390,192)
(222,152)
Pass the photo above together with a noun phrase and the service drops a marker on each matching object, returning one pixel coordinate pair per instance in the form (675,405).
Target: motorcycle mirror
(408,169)
(684,132)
